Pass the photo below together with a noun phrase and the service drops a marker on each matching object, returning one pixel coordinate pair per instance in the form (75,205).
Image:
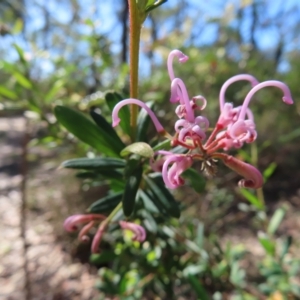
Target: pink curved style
(177,84)
(182,58)
(138,231)
(287,97)
(116,119)
(171,176)
(72,222)
(230,81)
(98,237)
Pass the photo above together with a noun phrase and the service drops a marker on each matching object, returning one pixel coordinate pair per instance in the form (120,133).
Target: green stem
(135,32)
(254,160)
(113,213)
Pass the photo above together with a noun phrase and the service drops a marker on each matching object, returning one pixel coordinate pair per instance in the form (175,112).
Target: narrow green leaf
(108,131)
(8,67)
(20,51)
(97,163)
(267,244)
(18,26)
(286,246)
(7,93)
(148,203)
(198,288)
(290,136)
(130,192)
(22,80)
(252,199)
(161,197)
(140,148)
(112,98)
(85,130)
(196,180)
(56,87)
(166,145)
(150,7)
(87,175)
(143,123)
(149,221)
(106,204)
(237,274)
(269,171)
(276,220)
(133,163)
(104,257)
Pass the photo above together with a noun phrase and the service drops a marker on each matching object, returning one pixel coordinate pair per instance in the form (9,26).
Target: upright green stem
(134,45)
(254,160)
(113,213)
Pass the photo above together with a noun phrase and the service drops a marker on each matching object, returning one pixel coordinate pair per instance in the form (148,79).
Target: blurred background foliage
(228,243)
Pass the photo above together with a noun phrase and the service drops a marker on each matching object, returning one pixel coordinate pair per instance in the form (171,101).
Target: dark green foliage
(97,163)
(161,197)
(106,204)
(196,180)
(110,133)
(143,123)
(131,188)
(87,131)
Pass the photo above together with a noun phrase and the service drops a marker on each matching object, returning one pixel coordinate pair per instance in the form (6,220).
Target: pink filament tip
(116,119)
(181,58)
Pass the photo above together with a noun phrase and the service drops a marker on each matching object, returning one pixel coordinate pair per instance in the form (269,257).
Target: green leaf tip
(140,148)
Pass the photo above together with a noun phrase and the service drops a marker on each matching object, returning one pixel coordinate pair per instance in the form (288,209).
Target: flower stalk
(135,25)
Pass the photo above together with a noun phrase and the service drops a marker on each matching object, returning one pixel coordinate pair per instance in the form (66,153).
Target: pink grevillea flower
(71,224)
(235,126)
(138,231)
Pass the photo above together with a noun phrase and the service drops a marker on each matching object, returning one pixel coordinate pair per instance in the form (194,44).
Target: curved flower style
(235,126)
(182,58)
(171,175)
(244,130)
(90,220)
(138,231)
(230,81)
(116,119)
(195,130)
(182,96)
(72,222)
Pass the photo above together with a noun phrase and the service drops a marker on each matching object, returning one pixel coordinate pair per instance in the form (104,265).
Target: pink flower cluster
(235,126)
(72,223)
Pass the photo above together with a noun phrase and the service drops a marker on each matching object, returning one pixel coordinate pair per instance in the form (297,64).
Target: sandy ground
(51,272)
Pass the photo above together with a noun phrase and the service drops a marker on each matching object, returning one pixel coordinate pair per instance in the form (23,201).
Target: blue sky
(200,12)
